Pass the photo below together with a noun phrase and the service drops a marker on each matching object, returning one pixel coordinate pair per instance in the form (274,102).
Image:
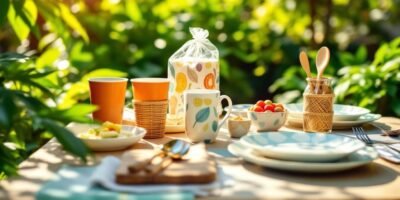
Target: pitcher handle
(222,97)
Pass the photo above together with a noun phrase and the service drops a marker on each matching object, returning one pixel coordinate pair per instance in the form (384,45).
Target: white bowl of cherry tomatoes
(267,116)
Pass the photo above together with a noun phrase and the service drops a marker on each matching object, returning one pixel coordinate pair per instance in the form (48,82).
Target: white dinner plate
(356,159)
(341,112)
(108,144)
(298,122)
(300,146)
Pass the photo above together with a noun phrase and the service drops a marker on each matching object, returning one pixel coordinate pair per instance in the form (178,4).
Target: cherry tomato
(260,103)
(270,107)
(258,109)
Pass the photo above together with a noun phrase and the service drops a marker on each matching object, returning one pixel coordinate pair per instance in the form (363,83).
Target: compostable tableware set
(190,97)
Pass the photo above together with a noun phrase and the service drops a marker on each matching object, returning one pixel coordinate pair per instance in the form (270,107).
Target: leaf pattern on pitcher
(202,115)
(214,126)
(215,112)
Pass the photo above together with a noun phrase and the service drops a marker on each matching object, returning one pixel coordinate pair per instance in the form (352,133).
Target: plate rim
(366,111)
(322,152)
(304,166)
(344,123)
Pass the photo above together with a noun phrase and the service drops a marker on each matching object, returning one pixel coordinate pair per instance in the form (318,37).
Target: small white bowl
(238,128)
(267,121)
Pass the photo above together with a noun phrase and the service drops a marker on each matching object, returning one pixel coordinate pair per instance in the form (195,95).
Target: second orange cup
(150,89)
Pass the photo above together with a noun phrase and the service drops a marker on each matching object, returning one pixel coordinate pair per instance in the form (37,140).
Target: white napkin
(104,175)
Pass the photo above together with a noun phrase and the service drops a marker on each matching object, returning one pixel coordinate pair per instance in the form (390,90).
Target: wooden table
(378,180)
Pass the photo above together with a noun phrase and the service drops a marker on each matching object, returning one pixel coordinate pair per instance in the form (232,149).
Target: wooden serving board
(195,168)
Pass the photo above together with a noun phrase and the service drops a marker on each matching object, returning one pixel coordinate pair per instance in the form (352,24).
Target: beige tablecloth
(378,180)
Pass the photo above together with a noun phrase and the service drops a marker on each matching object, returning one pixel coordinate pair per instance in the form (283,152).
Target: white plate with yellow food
(108,136)
(174,124)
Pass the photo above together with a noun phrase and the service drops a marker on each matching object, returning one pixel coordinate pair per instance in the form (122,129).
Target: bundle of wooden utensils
(318,95)
(176,163)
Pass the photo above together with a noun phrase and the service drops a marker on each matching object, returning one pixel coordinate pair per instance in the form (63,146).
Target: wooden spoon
(323,57)
(304,63)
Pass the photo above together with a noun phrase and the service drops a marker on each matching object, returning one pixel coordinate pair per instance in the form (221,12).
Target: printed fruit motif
(199,67)
(267,106)
(181,82)
(207,102)
(209,81)
(208,65)
(197,102)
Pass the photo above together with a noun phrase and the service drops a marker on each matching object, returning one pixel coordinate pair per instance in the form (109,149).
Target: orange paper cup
(109,95)
(150,89)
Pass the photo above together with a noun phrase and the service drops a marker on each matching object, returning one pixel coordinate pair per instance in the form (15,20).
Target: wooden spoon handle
(142,165)
(157,168)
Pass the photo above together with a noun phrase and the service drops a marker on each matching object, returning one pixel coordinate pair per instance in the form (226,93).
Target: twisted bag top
(198,47)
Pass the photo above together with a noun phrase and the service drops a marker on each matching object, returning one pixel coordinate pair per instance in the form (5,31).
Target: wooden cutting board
(195,168)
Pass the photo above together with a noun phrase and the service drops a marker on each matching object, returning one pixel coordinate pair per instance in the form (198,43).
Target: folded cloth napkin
(74,183)
(105,177)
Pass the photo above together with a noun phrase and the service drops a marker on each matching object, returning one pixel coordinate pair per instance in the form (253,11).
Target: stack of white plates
(345,116)
(303,152)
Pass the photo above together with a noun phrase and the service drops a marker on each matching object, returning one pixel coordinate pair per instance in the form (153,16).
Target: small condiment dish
(238,126)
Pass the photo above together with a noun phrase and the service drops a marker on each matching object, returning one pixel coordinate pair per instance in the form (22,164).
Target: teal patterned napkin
(75,183)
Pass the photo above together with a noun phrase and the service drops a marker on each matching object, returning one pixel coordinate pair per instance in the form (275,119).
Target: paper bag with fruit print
(194,66)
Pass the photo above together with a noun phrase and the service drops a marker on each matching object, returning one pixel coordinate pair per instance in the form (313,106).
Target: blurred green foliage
(25,120)
(259,43)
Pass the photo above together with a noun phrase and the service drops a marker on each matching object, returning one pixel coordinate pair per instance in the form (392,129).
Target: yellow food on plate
(174,120)
(106,130)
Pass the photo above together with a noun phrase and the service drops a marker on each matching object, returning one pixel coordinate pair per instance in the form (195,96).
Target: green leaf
(76,113)
(380,54)
(215,112)
(22,18)
(48,58)
(70,143)
(5,4)
(7,110)
(214,126)
(361,54)
(396,107)
(202,115)
(71,20)
(103,72)
(133,11)
(391,65)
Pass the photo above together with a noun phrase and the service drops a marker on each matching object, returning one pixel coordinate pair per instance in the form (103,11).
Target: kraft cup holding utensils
(151,104)
(202,122)
(108,93)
